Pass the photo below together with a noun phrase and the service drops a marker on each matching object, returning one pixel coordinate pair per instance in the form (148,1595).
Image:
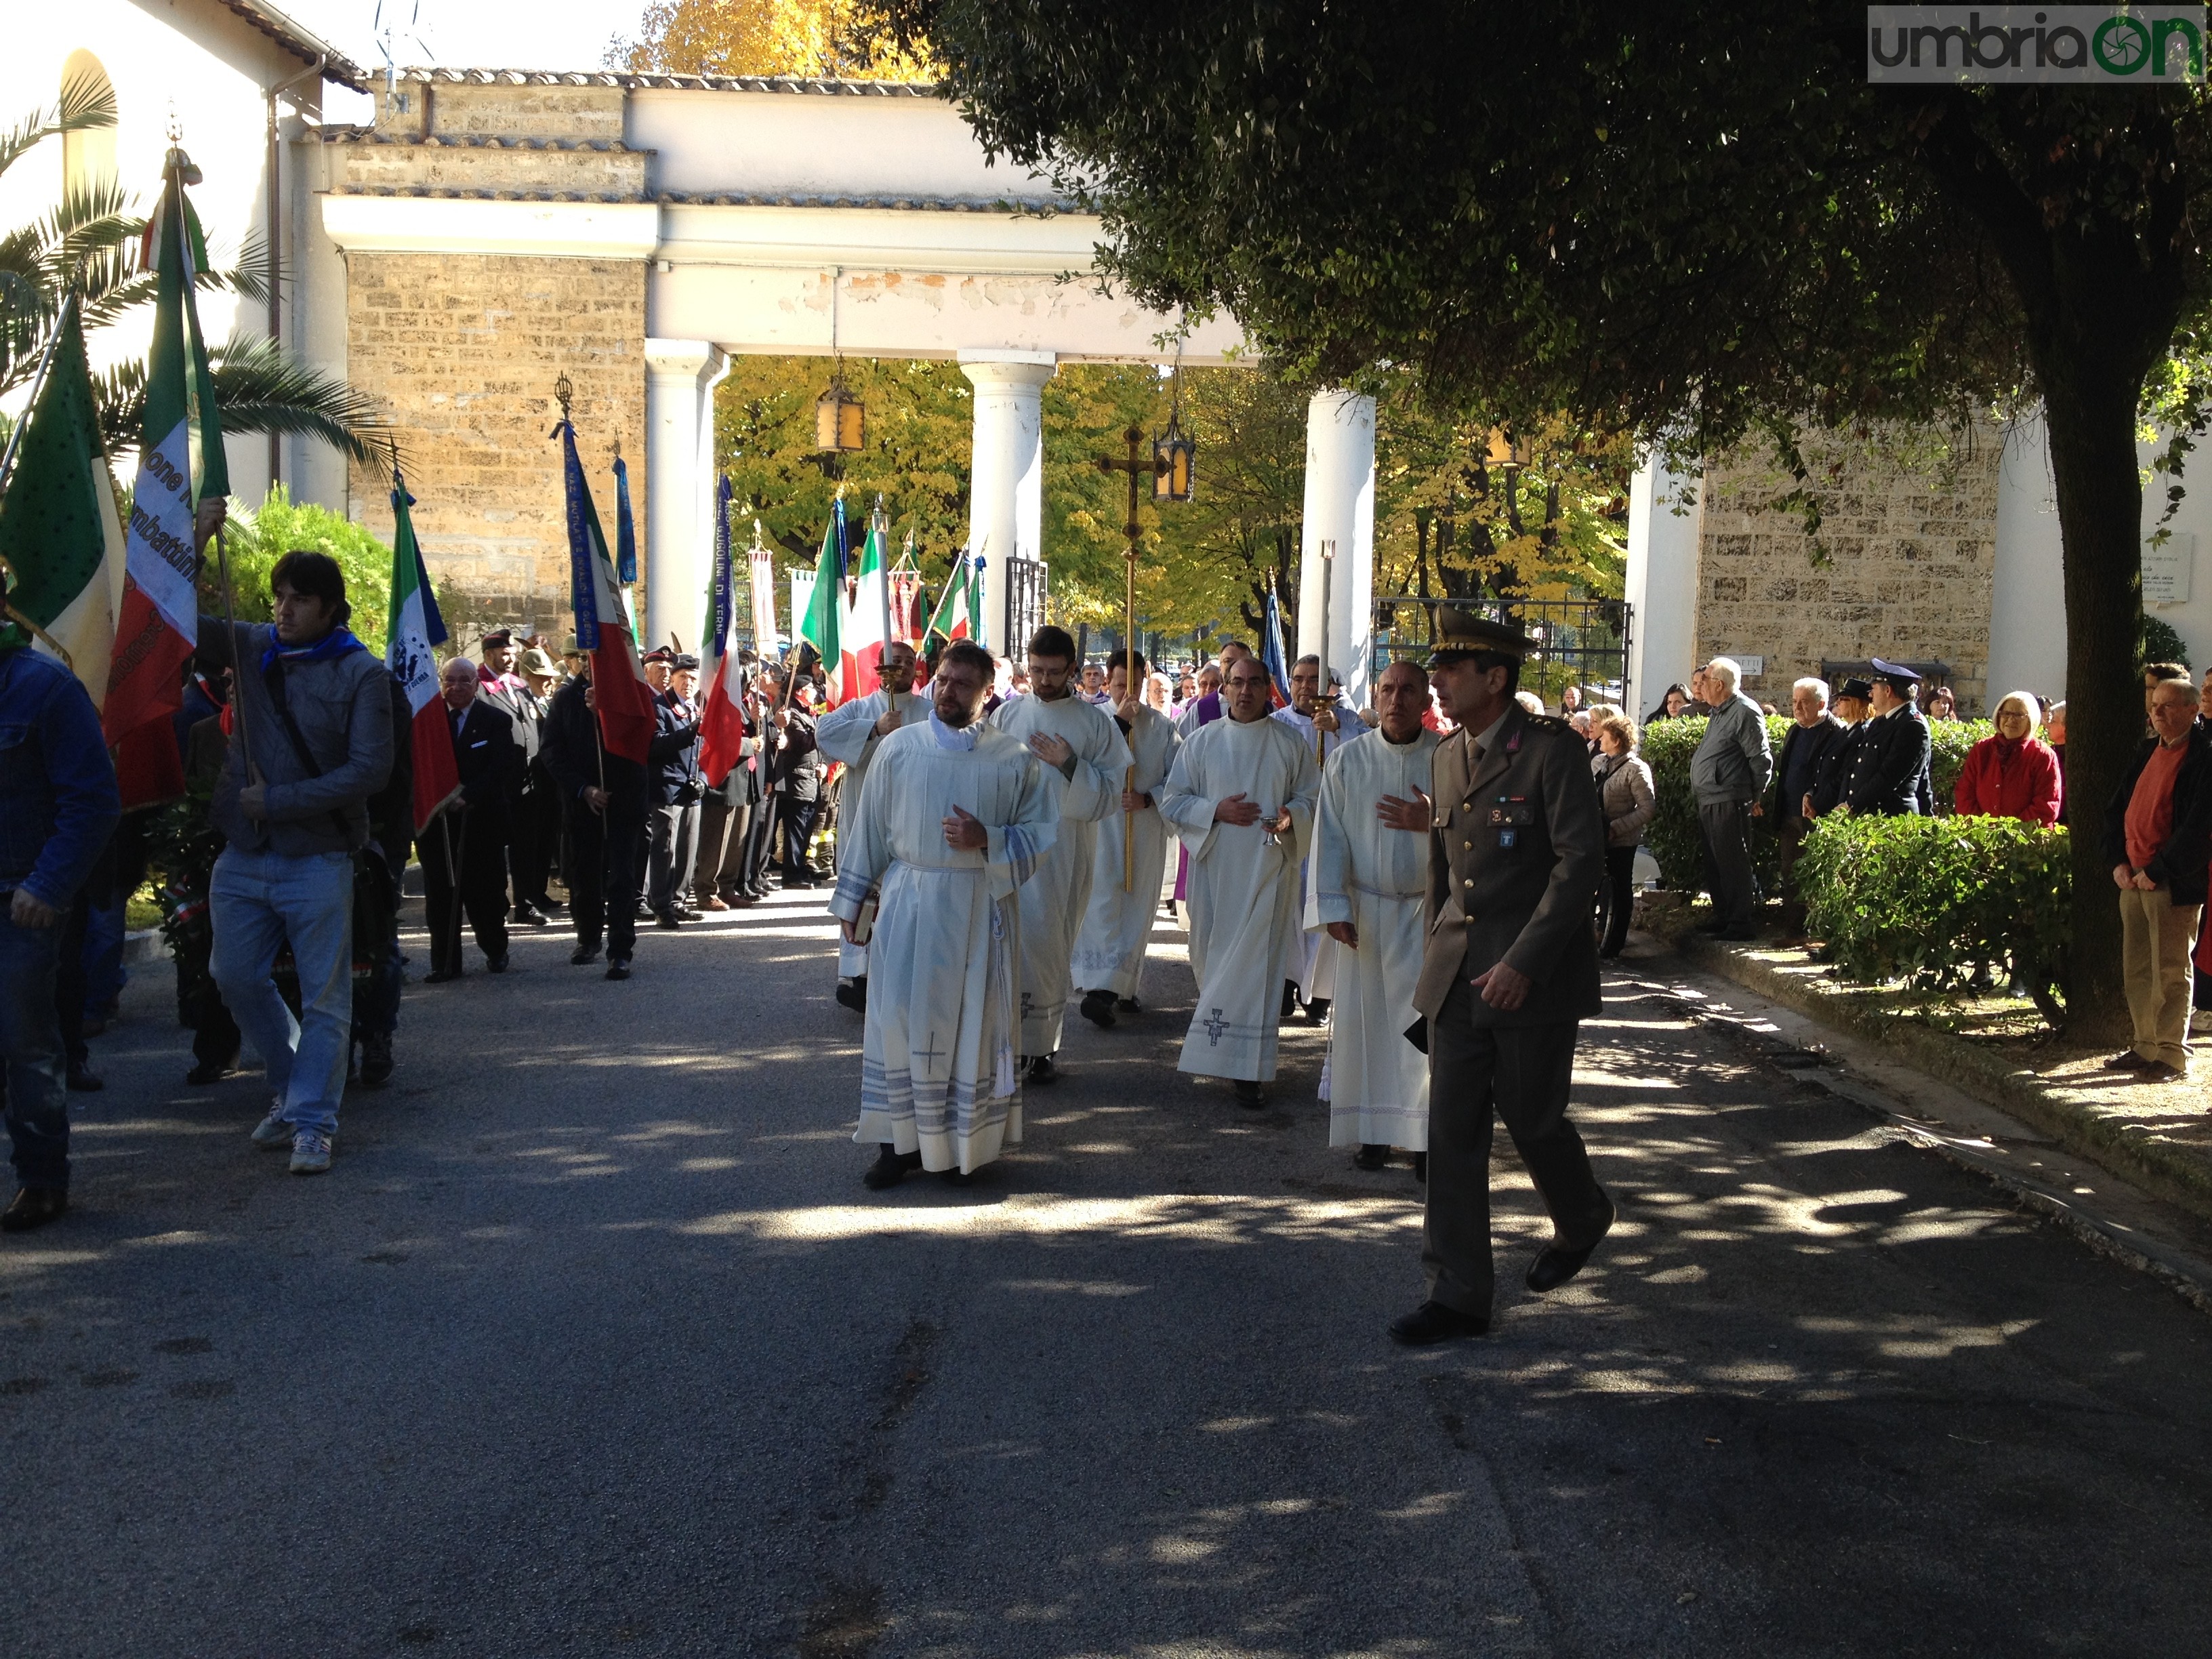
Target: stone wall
(464,352)
(1910,553)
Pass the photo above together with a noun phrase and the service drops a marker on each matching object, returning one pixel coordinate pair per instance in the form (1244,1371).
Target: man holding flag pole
(598,735)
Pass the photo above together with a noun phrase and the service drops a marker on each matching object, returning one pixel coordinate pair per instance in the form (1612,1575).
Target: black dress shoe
(530,916)
(83,1080)
(1554,1266)
(211,1070)
(2126,1060)
(495,964)
(958,1177)
(665,919)
(1251,1094)
(1317,1011)
(442,976)
(617,967)
(1290,997)
(1098,1009)
(1370,1157)
(583,956)
(1421,1168)
(853,994)
(33,1206)
(1432,1321)
(889,1168)
(1127,1006)
(376,1059)
(1041,1070)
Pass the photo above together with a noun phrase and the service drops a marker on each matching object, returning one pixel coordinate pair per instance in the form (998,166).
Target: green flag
(60,532)
(821,626)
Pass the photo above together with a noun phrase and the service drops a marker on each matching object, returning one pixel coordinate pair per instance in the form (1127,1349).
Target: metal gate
(1581,642)
(1027,583)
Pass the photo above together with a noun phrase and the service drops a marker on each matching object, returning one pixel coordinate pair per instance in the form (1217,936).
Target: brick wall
(1910,557)
(464,351)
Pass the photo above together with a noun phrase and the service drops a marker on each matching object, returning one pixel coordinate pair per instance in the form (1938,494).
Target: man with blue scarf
(312,744)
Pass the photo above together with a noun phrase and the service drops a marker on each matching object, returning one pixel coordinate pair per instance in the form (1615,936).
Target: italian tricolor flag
(823,626)
(721,711)
(955,610)
(867,628)
(603,623)
(181,463)
(416,631)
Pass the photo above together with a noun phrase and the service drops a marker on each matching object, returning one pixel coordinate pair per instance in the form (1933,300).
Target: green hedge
(260,536)
(1931,900)
(1673,835)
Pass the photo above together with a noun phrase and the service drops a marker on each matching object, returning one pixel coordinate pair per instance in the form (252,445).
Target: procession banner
(867,624)
(722,714)
(418,630)
(181,463)
(603,631)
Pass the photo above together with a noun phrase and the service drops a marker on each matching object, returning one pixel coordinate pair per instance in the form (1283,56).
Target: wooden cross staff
(1135,466)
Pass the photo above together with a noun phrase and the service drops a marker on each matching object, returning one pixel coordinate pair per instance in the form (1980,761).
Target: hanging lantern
(1503,449)
(1173,457)
(841,420)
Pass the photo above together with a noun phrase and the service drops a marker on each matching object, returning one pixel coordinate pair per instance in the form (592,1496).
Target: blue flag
(721,587)
(1271,655)
(625,529)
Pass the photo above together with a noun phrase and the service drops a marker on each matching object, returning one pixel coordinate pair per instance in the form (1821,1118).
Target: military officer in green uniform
(1516,850)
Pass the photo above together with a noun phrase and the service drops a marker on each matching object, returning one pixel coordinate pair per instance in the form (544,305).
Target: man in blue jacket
(62,806)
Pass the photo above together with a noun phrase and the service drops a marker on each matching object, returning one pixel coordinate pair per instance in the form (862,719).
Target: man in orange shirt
(2158,831)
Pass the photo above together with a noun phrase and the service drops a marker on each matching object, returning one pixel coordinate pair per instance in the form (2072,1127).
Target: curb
(2180,1176)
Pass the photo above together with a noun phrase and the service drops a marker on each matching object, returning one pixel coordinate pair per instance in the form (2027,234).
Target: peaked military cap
(500,636)
(1460,635)
(1855,686)
(1895,672)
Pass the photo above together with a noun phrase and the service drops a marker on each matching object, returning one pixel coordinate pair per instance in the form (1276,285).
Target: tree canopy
(1688,221)
(843,38)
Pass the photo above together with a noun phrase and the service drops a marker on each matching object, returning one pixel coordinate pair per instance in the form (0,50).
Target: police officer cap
(498,636)
(684,659)
(1855,686)
(1899,677)
(1461,635)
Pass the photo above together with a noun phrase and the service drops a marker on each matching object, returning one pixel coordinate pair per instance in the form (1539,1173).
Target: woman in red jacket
(2013,773)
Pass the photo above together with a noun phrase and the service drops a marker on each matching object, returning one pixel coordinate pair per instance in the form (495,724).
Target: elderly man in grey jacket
(312,744)
(1728,772)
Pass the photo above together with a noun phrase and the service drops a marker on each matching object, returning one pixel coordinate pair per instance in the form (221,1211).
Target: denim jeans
(32,1095)
(259,901)
(105,975)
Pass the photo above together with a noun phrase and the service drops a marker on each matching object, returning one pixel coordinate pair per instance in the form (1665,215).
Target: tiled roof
(728,198)
(302,45)
(820,85)
(360,135)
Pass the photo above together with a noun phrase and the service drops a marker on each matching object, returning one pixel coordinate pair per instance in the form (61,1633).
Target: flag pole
(1327,562)
(879,523)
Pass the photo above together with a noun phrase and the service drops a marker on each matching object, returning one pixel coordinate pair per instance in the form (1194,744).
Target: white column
(1006,501)
(2027,592)
(1662,582)
(680,376)
(1339,507)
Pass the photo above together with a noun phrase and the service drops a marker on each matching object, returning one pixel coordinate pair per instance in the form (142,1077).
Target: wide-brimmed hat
(535,661)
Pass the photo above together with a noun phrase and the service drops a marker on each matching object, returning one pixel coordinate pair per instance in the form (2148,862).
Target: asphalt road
(593,1343)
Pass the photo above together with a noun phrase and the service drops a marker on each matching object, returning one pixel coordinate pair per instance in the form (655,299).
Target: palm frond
(261,387)
(85,103)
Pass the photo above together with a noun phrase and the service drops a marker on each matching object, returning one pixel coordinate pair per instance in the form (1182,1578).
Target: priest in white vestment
(956,818)
(1084,762)
(1117,928)
(1326,726)
(1241,797)
(849,734)
(1370,864)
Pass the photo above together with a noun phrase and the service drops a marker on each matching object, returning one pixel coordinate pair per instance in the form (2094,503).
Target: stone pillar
(680,376)
(1339,507)
(1005,503)
(1661,588)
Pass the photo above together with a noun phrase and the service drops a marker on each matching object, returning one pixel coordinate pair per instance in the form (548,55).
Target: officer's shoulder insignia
(1551,723)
